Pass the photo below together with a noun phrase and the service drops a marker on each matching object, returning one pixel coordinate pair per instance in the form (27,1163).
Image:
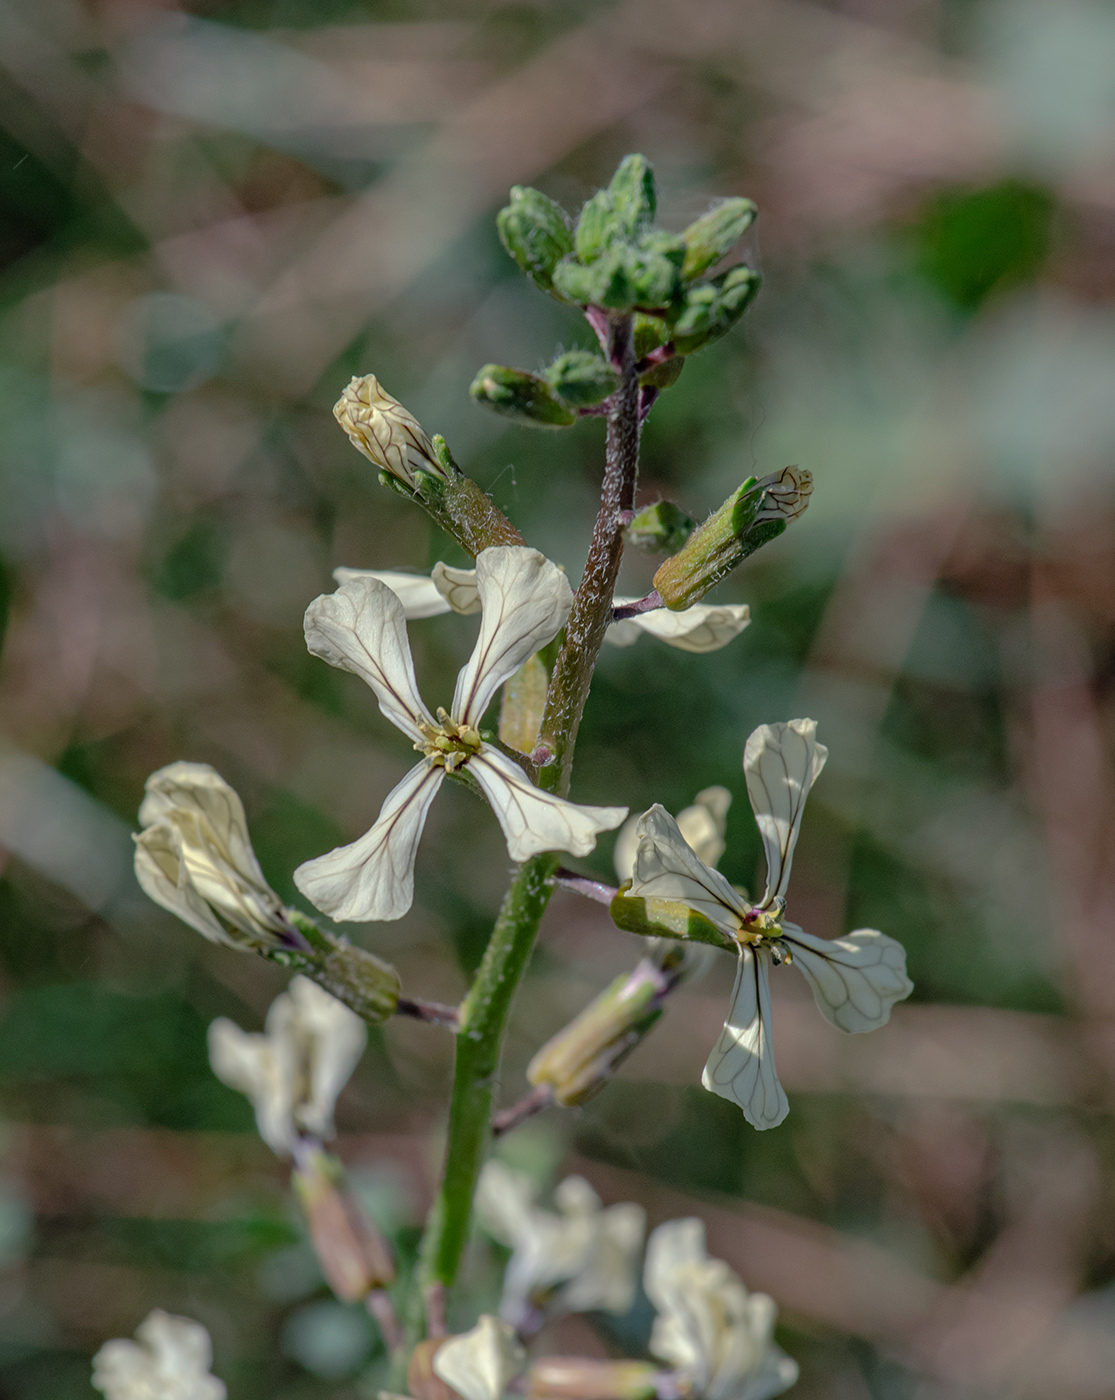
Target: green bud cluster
(577,379)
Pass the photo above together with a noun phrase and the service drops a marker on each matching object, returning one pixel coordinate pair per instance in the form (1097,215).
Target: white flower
(387,433)
(855,980)
(295,1070)
(169,1361)
(702,824)
(525,601)
(479,1365)
(699,628)
(195,858)
(588,1251)
(708,1327)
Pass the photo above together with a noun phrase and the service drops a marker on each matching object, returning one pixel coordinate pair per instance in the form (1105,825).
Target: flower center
(762,928)
(447,744)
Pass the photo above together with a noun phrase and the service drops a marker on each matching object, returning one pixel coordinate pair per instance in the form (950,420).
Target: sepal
(660,528)
(536,232)
(524,398)
(664,918)
(712,236)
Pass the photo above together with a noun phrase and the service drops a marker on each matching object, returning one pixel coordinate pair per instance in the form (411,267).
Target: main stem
(484,1011)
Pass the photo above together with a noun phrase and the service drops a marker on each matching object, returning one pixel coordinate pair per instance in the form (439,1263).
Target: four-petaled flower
(170,1360)
(295,1070)
(709,1328)
(525,600)
(581,1258)
(855,980)
(703,627)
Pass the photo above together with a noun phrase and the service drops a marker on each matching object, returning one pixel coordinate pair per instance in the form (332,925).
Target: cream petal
(199,789)
(671,1249)
(856,979)
(458,587)
(170,1358)
(361,628)
(782,762)
(262,1069)
(480,1364)
(704,824)
(525,600)
(533,820)
(418,593)
(703,627)
(373,878)
(666,868)
(741,1066)
(328,1039)
(161,875)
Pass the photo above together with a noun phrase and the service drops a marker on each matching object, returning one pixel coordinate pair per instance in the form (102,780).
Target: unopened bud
(582,378)
(751,516)
(387,433)
(664,918)
(713,235)
(582,1378)
(710,309)
(662,527)
(633,196)
(536,232)
(578,1061)
(524,398)
(354,1256)
(626,276)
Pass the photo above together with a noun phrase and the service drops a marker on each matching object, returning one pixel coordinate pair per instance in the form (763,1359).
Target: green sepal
(664,375)
(662,528)
(536,232)
(582,378)
(634,199)
(665,918)
(522,397)
(713,235)
(710,309)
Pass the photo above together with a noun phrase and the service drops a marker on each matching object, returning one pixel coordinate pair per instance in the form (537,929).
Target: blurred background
(210,217)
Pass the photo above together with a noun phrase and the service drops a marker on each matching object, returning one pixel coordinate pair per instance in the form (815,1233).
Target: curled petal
(361,628)
(161,874)
(418,593)
(525,600)
(666,868)
(373,878)
(533,820)
(782,762)
(458,587)
(702,627)
(856,979)
(741,1066)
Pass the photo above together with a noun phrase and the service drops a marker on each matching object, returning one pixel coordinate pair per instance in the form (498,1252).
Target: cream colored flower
(294,1071)
(525,601)
(479,1365)
(855,980)
(387,433)
(170,1360)
(582,1258)
(708,1327)
(699,628)
(194,857)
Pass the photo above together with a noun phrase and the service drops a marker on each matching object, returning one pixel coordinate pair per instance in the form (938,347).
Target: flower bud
(524,398)
(578,1061)
(756,513)
(354,1256)
(387,433)
(582,378)
(536,232)
(582,1378)
(633,196)
(626,275)
(710,309)
(713,234)
(662,527)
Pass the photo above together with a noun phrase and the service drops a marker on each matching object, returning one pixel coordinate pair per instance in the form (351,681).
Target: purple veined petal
(741,1066)
(855,980)
(373,878)
(667,868)
(782,762)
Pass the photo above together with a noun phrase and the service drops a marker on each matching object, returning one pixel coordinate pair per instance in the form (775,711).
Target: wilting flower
(387,433)
(295,1070)
(170,1360)
(582,1258)
(702,627)
(480,1364)
(714,1333)
(525,601)
(855,980)
(194,857)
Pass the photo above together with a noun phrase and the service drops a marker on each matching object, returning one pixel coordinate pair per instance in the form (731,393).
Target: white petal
(666,868)
(200,789)
(533,820)
(262,1069)
(703,627)
(480,1364)
(458,587)
(334,1038)
(671,1249)
(856,979)
(704,823)
(627,843)
(526,601)
(782,762)
(504,1202)
(741,1066)
(373,878)
(161,874)
(606,1281)
(418,593)
(171,1358)
(361,628)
